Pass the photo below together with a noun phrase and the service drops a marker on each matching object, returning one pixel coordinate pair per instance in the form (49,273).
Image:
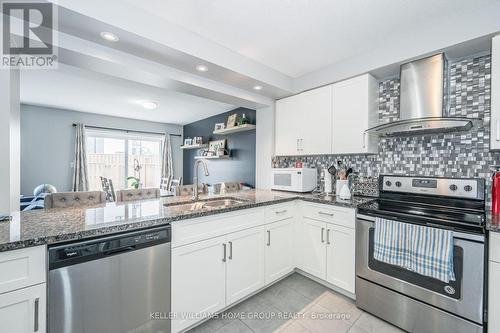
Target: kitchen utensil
(332,170)
(328,181)
(345,193)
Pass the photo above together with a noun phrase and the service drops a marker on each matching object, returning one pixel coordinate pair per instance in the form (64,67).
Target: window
(117,155)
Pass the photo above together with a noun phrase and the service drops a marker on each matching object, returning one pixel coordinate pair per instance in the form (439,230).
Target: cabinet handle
(280,211)
(301,144)
(230,250)
(36,323)
(298,145)
(322,235)
(498,130)
(364,139)
(268,238)
(327,214)
(328,236)
(224,251)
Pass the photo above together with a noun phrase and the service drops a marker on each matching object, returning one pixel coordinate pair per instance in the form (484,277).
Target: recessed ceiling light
(149,105)
(109,36)
(201,68)
(257,87)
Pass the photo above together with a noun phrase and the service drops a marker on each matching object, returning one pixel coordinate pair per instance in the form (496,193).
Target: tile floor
(296,305)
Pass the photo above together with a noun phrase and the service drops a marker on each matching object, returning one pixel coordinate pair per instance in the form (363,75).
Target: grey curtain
(167,169)
(80,171)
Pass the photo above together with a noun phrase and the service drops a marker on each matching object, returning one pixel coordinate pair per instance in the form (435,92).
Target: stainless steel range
(415,302)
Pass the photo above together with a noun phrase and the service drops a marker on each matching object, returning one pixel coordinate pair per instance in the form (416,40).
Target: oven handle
(456,234)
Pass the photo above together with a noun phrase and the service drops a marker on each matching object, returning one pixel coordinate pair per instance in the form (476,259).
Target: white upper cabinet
(315,127)
(329,120)
(303,123)
(288,122)
(355,105)
(495,93)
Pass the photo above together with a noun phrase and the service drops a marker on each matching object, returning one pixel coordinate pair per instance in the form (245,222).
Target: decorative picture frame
(219,126)
(214,146)
(188,142)
(232,120)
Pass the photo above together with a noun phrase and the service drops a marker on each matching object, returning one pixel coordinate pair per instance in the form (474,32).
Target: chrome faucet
(195,178)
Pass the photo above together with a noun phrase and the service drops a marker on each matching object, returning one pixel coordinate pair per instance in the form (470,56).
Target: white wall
(9,142)
(264,147)
(47,143)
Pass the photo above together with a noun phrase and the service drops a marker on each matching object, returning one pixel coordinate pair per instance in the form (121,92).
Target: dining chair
(108,188)
(165,183)
(137,194)
(229,187)
(182,190)
(74,199)
(174,183)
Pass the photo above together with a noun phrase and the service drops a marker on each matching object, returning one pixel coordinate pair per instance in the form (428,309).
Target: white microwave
(294,179)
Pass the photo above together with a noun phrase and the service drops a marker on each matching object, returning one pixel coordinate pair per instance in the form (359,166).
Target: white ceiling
(296,37)
(86,91)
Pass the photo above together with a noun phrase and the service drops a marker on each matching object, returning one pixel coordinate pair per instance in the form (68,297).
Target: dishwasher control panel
(73,253)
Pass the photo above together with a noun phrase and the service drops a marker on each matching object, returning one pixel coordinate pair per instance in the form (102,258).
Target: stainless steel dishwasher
(114,284)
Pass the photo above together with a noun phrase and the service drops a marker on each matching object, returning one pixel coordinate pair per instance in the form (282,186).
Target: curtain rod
(127,130)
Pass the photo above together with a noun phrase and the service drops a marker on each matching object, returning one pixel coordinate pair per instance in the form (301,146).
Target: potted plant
(135,182)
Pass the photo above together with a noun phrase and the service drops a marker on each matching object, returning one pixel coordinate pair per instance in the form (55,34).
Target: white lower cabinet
(279,249)
(313,258)
(245,263)
(198,281)
(327,248)
(211,274)
(494,297)
(340,269)
(24,310)
(493,286)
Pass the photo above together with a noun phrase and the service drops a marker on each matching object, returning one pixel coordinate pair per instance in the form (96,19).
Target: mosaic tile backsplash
(462,154)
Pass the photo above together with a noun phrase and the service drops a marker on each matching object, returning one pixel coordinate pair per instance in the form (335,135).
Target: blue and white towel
(423,250)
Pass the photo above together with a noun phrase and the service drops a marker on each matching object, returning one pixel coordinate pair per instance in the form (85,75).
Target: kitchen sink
(207,204)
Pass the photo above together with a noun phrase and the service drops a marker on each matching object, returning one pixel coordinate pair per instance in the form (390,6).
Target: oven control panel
(450,187)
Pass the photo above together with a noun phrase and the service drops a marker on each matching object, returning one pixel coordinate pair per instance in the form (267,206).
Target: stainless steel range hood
(421,101)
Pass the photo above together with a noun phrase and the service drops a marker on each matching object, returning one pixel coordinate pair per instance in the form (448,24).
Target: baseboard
(326,284)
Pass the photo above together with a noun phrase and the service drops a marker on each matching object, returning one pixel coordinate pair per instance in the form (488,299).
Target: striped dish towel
(423,250)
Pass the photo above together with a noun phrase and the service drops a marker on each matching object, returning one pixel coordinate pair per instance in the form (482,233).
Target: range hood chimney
(421,108)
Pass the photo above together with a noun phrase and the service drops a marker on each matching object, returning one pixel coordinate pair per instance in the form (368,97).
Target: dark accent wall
(240,167)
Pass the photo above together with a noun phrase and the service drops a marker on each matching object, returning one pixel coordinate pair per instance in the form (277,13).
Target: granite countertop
(39,227)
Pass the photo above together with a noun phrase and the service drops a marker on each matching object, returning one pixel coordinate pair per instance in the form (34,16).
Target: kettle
(495,190)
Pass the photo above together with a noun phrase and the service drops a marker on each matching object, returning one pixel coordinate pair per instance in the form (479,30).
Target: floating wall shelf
(220,157)
(236,129)
(205,145)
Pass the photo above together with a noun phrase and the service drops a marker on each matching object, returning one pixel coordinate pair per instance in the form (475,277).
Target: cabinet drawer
(280,212)
(331,214)
(495,246)
(197,229)
(22,268)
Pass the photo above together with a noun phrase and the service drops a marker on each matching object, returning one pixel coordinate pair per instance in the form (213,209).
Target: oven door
(463,297)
